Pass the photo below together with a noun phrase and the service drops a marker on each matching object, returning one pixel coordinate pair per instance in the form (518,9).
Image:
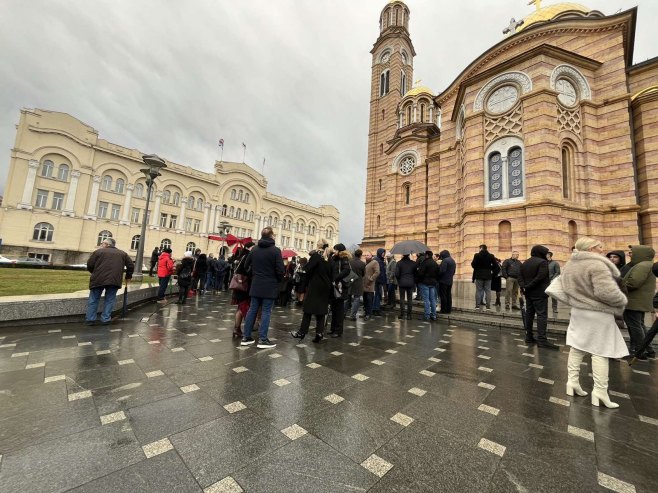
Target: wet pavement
(168,401)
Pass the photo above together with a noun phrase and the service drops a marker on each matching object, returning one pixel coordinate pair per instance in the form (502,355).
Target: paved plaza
(167,401)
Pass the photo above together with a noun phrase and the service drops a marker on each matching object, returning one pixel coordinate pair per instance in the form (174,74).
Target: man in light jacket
(369,281)
(511,270)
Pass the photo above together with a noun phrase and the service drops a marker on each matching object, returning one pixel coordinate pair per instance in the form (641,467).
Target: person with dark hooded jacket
(267,271)
(184,273)
(340,269)
(380,284)
(201,271)
(447,270)
(318,287)
(533,281)
(405,273)
(641,284)
(617,257)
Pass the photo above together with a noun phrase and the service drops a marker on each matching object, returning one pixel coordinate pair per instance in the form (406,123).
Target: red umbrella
(287,253)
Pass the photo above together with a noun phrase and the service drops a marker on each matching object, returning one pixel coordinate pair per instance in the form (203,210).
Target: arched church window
(567,162)
(386,56)
(240,195)
(406,192)
(381,148)
(422,113)
(495,177)
(383,114)
(403,80)
(573,233)
(379,221)
(384,83)
(504,236)
(502,99)
(47,168)
(408,115)
(380,184)
(566,92)
(515,172)
(233,194)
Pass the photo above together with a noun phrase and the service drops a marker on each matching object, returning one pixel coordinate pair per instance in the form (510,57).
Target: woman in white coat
(590,282)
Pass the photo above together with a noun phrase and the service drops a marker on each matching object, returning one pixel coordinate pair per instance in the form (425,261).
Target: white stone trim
(571,73)
(520,79)
(395,168)
(503,145)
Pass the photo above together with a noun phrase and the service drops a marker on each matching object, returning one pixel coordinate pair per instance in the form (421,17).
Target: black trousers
(337,315)
(636,328)
(537,305)
(409,294)
(445,295)
(306,323)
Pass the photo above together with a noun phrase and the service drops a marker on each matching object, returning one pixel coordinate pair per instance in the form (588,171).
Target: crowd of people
(606,293)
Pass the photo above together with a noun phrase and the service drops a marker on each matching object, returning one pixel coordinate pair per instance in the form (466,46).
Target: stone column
(306,239)
(181,215)
(431,120)
(292,235)
(206,217)
(414,117)
(26,201)
(256,225)
(155,212)
(93,198)
(213,218)
(125,217)
(69,207)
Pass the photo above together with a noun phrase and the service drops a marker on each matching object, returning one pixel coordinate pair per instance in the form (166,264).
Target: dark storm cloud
(290,78)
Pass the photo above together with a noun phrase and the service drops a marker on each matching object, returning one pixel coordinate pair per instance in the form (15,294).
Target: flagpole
(221,157)
(244,151)
(263,173)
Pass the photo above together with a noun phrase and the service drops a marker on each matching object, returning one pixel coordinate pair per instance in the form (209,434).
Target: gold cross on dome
(536,3)
(417,82)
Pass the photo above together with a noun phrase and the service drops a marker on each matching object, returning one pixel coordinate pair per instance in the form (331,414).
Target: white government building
(68,189)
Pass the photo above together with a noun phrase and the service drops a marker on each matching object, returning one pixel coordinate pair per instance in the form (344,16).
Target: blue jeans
(267,304)
(162,290)
(94,299)
(379,295)
(428,292)
(210,281)
(356,303)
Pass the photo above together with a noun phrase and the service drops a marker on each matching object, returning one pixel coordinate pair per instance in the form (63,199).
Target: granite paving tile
(165,472)
(289,470)
(120,397)
(166,417)
(70,461)
(625,462)
(218,448)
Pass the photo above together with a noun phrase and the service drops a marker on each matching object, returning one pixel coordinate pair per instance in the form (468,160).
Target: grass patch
(16,281)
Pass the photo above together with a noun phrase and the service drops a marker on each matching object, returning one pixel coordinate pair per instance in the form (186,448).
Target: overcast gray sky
(290,78)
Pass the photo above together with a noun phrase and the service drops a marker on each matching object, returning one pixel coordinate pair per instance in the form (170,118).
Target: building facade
(549,135)
(67,190)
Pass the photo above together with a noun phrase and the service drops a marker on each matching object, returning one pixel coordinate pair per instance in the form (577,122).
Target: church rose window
(567,94)
(502,99)
(407,165)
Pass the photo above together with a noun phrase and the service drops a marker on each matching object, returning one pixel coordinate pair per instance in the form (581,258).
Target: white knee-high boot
(600,374)
(573,371)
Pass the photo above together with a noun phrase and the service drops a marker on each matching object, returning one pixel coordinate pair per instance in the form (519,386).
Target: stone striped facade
(565,94)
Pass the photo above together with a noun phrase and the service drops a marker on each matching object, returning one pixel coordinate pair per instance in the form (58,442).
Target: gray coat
(359,268)
(553,269)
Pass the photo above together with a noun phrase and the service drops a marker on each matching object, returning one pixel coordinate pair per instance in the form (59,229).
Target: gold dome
(418,90)
(549,12)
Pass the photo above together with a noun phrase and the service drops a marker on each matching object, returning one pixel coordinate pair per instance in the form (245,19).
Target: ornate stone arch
(403,157)
(519,79)
(573,75)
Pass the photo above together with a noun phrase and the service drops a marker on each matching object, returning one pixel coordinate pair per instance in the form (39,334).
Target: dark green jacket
(639,279)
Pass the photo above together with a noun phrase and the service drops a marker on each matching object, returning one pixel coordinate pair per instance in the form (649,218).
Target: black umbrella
(407,247)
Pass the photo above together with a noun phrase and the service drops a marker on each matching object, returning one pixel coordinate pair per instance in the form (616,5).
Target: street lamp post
(155,164)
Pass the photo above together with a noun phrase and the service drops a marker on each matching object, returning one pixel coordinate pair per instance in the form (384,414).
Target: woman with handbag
(239,286)
(316,301)
(589,282)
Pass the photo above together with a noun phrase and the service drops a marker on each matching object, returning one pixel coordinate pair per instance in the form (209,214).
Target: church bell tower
(392,75)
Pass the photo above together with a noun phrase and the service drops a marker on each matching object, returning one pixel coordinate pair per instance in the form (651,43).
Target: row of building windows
(48,168)
(239,195)
(41,201)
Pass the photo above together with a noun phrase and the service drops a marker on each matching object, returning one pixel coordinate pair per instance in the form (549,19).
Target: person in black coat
(533,281)
(316,299)
(428,276)
(356,291)
(266,275)
(405,273)
(184,273)
(484,267)
(447,271)
(154,260)
(340,269)
(201,271)
(241,298)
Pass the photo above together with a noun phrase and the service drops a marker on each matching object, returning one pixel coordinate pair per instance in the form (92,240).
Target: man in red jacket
(165,271)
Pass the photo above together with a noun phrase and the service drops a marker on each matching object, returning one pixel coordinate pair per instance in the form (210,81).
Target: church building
(549,135)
